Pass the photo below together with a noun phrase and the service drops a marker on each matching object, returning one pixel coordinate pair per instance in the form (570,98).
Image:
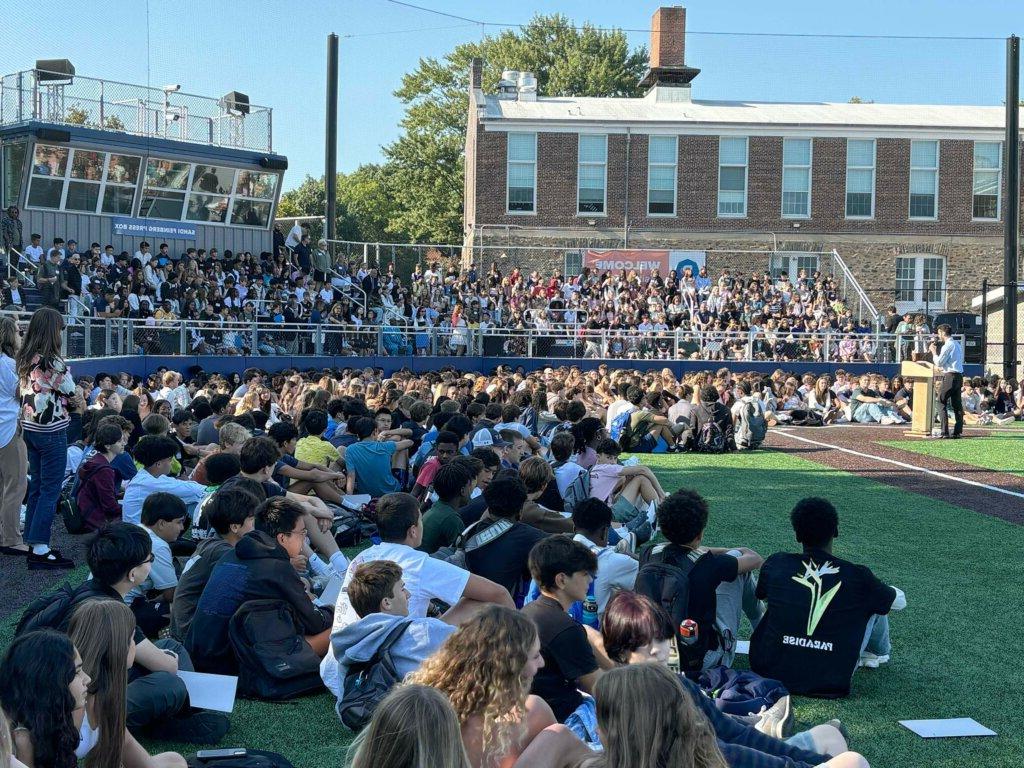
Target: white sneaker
(887,421)
(872,660)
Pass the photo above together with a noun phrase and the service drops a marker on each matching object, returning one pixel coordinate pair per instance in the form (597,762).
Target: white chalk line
(902,464)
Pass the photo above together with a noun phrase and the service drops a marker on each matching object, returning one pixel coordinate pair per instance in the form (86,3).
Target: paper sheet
(330,594)
(944,729)
(356,501)
(205,691)
(743,647)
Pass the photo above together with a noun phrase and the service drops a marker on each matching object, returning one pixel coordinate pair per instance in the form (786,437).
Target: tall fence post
(984,325)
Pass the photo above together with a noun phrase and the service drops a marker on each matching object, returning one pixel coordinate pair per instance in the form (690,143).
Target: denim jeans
(734,599)
(47,458)
(876,636)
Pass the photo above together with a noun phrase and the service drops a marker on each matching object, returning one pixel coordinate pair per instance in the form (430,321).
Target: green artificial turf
(955,645)
(1001,452)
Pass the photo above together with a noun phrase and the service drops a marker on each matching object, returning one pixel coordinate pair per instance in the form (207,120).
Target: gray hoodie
(358,642)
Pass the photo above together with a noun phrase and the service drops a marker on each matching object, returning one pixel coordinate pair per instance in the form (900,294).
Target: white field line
(902,464)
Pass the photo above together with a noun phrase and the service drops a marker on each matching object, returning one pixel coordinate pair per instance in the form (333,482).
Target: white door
(920,284)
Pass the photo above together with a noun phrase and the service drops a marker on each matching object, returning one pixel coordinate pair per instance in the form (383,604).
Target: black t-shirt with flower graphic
(818,607)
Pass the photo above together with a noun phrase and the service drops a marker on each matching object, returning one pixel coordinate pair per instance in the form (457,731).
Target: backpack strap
(383,652)
(487,534)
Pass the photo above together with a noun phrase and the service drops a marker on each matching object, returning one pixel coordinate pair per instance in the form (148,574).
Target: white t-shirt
(161,575)
(143,485)
(565,474)
(294,236)
(614,410)
(425,577)
(34,253)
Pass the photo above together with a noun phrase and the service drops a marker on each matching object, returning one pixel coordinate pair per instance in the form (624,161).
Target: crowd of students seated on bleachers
(529,585)
(443,306)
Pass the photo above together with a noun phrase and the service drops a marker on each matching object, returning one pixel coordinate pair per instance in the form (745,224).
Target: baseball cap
(487,438)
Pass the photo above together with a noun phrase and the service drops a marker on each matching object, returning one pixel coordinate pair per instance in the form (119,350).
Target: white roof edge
(992,297)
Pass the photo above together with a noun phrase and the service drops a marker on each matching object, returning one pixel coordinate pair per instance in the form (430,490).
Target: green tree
(365,206)
(76,116)
(425,165)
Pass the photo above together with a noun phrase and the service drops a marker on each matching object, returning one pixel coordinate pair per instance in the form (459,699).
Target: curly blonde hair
(480,669)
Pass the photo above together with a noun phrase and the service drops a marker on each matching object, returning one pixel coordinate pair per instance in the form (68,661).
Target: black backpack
(274,660)
(46,611)
(253,758)
(664,577)
(366,684)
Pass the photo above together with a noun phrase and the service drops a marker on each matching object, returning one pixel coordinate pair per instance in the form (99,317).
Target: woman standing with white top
(13,458)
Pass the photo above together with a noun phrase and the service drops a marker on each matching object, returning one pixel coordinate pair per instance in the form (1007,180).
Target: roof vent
(527,86)
(508,86)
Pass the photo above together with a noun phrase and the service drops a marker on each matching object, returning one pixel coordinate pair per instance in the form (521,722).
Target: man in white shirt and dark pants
(950,360)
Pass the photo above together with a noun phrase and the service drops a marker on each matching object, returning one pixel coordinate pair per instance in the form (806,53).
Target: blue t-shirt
(371,461)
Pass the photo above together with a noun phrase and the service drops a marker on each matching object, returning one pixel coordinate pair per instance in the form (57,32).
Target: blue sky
(275,52)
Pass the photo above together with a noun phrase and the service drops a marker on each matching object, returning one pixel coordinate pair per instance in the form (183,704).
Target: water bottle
(689,632)
(590,612)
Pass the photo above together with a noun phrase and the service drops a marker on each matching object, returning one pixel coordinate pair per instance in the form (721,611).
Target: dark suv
(968,325)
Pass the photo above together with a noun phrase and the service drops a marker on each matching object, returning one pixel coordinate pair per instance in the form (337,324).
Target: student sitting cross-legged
(721,581)
(378,595)
(258,568)
(825,616)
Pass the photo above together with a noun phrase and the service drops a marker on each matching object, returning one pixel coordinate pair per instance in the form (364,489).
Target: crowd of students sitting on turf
(507,574)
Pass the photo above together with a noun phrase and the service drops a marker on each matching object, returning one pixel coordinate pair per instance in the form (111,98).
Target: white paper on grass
(206,691)
(743,647)
(948,728)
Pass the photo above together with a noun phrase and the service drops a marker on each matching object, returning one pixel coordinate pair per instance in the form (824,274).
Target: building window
(592,174)
(210,194)
(796,178)
(163,196)
(860,178)
(920,283)
(661,175)
(988,165)
(793,265)
(14,156)
(732,177)
(254,197)
(122,179)
(522,173)
(83,180)
(49,174)
(924,179)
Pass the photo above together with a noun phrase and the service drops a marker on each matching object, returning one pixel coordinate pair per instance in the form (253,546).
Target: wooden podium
(923,373)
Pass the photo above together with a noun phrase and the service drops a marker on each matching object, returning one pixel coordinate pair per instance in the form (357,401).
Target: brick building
(911,196)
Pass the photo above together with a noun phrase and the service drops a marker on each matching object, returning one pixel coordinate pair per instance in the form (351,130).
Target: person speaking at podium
(950,360)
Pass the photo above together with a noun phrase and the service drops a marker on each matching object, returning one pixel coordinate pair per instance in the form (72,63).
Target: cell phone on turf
(221,754)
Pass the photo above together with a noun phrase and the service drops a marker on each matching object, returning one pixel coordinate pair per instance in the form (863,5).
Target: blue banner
(153,228)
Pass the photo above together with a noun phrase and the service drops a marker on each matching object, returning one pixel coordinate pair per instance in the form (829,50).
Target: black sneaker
(200,727)
(51,561)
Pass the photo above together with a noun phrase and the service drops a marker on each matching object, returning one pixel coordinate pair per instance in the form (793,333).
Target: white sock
(40,549)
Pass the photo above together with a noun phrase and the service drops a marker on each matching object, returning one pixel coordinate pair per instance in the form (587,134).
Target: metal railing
(865,309)
(93,337)
(23,275)
(135,109)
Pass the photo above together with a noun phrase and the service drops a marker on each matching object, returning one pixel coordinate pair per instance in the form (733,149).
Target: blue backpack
(621,425)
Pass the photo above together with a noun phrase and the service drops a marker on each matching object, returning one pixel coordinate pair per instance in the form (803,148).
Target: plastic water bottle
(689,632)
(590,612)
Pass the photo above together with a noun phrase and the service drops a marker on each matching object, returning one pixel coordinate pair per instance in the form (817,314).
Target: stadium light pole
(331,135)
(1011,224)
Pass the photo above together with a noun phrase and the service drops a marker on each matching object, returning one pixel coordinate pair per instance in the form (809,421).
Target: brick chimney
(668,78)
(668,37)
